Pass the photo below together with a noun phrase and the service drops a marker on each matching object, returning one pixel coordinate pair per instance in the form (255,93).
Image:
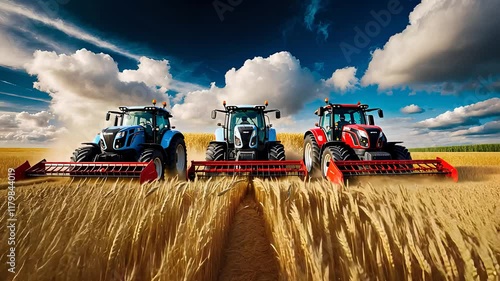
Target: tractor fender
(219,135)
(319,136)
(272,134)
(92,144)
(169,136)
(97,138)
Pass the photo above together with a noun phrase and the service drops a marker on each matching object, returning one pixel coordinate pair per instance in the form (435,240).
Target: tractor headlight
(363,138)
(253,141)
(121,134)
(237,141)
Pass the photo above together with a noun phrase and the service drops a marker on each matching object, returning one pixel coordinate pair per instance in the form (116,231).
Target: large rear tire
(177,159)
(311,156)
(335,153)
(151,154)
(85,154)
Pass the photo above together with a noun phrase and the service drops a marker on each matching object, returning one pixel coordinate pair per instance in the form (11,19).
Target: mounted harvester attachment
(246,145)
(144,171)
(338,171)
(346,144)
(140,144)
(261,169)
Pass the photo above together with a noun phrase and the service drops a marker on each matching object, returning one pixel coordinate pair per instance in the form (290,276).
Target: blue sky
(436,76)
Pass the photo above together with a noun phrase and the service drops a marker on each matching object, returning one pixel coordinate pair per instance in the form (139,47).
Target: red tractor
(346,142)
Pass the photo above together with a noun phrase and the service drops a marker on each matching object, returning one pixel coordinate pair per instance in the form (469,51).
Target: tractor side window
(326,120)
(161,122)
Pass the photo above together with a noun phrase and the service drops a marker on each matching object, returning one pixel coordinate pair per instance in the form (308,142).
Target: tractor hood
(118,137)
(368,136)
(120,128)
(364,127)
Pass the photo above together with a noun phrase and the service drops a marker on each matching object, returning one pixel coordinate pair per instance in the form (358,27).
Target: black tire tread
(84,154)
(215,152)
(277,152)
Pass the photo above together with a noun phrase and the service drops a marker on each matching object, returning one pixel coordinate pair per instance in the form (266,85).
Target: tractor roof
(236,107)
(145,108)
(351,106)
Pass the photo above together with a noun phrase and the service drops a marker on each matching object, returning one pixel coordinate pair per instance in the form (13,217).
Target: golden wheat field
(235,229)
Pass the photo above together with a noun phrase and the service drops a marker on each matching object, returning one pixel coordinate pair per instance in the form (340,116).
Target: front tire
(85,154)
(215,152)
(399,152)
(335,153)
(177,159)
(311,156)
(151,154)
(276,152)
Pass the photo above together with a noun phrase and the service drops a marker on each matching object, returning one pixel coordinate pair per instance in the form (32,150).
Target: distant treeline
(461,148)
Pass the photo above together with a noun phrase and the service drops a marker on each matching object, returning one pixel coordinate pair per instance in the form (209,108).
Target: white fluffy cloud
(446,41)
(343,79)
(489,128)
(85,85)
(28,129)
(279,78)
(151,72)
(463,116)
(412,109)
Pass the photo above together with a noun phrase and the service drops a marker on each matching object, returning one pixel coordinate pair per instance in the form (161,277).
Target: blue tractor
(245,135)
(246,145)
(140,134)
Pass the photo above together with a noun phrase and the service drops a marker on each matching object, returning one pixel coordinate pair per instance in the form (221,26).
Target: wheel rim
(326,160)
(180,158)
(307,156)
(158,167)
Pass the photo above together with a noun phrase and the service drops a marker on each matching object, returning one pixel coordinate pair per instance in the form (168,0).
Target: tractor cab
(351,124)
(153,121)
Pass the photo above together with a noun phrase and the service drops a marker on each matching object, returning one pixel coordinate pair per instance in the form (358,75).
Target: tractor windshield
(247,117)
(349,116)
(142,118)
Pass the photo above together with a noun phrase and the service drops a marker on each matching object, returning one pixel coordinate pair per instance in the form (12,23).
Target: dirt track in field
(248,254)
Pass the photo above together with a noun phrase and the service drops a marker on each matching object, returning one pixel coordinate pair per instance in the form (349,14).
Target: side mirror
(278,114)
(380,113)
(321,111)
(214,114)
(108,115)
(371,121)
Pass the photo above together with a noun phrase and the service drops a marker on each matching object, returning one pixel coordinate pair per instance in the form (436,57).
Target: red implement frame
(263,169)
(145,171)
(339,170)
